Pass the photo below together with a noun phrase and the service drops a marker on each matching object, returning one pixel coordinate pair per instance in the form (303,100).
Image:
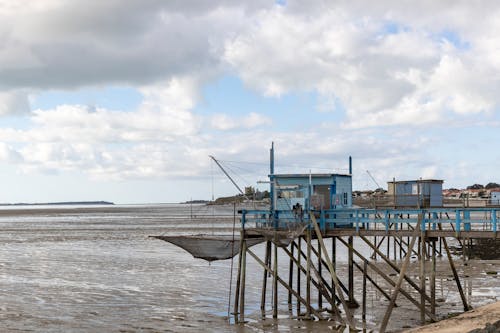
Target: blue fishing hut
(311,191)
(294,195)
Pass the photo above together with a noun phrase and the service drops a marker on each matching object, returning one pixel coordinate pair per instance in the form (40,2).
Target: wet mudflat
(95,269)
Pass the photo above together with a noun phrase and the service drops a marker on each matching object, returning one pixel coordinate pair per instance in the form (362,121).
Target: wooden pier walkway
(420,233)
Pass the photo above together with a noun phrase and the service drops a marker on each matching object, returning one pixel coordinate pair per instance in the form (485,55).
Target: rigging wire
(286,165)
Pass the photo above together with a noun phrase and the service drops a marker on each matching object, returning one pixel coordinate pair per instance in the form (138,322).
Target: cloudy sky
(123,100)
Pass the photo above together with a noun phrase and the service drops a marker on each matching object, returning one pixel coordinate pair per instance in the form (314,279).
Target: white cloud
(9,154)
(13,103)
(61,44)
(374,63)
(225,122)
(417,73)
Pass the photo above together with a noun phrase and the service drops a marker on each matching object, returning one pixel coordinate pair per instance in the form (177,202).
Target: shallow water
(95,270)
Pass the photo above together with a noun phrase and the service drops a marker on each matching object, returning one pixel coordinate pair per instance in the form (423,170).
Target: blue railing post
(424,220)
(467,221)
(387,221)
(457,221)
(243,218)
(357,220)
(494,219)
(434,217)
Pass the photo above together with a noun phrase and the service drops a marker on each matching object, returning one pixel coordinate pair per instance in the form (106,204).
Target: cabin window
(345,199)
(289,194)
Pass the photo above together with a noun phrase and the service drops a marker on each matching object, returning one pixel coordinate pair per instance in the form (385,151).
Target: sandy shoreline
(464,323)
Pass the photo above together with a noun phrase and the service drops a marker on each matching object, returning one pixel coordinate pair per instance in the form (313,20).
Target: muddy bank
(464,323)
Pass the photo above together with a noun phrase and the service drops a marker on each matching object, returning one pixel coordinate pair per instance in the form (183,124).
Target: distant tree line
(481,187)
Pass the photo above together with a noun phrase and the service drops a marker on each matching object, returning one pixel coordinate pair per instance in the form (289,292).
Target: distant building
(495,198)
(422,193)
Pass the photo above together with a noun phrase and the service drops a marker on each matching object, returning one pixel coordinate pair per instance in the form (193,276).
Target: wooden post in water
(243,277)
(352,301)
(422,278)
(275,281)
(299,250)
(238,281)
(308,274)
(363,315)
(433,278)
(320,266)
(290,277)
(264,280)
(334,261)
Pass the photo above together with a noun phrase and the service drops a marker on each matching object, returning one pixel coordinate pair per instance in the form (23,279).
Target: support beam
(283,283)
(406,262)
(389,280)
(264,280)
(375,284)
(320,284)
(349,316)
(467,307)
(396,268)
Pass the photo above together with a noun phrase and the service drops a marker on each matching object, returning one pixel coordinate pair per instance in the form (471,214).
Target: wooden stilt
(243,278)
(334,261)
(298,274)
(388,247)
(290,276)
(308,273)
(374,255)
(238,281)
(422,279)
(363,314)
(399,282)
(264,280)
(320,271)
(352,301)
(394,248)
(433,279)
(275,281)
